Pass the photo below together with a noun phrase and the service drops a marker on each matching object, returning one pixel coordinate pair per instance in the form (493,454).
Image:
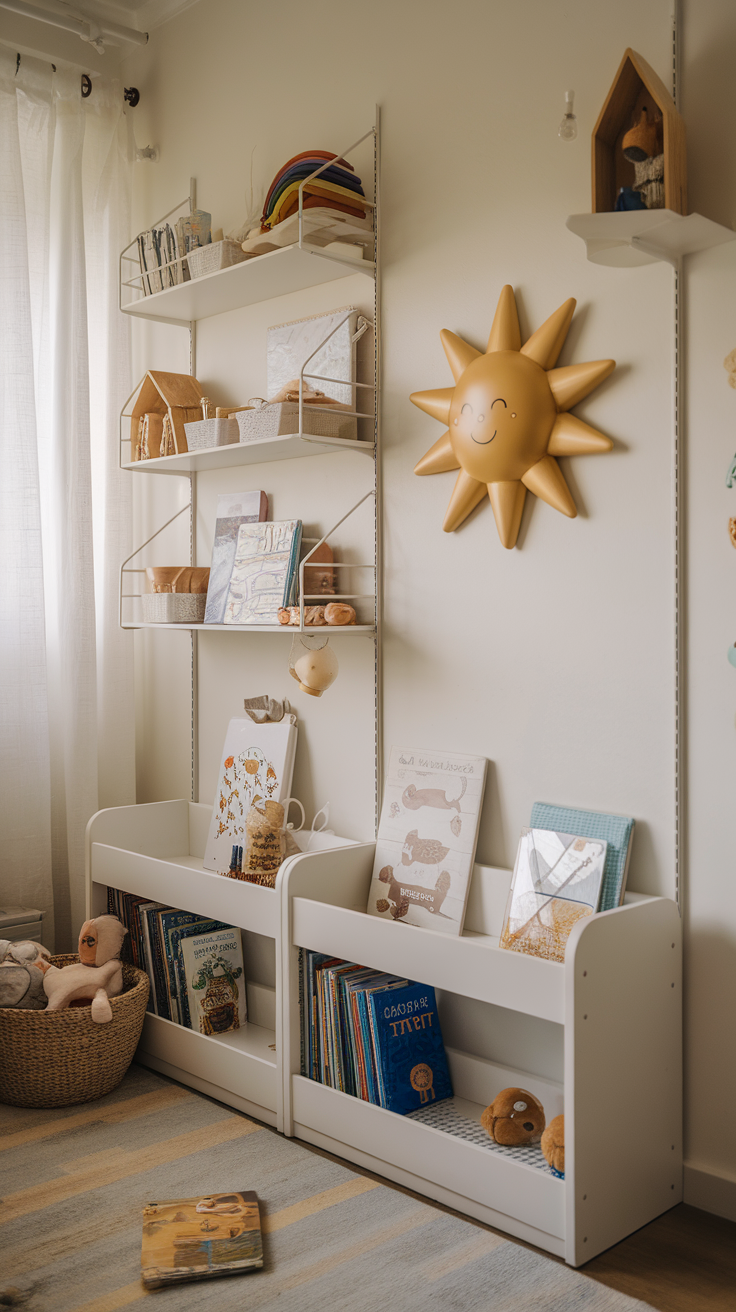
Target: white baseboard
(710,1191)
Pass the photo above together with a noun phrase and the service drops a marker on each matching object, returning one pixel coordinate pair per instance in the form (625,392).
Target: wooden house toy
(164,404)
(638,106)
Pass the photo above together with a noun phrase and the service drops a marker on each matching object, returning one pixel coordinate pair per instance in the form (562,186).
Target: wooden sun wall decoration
(507,418)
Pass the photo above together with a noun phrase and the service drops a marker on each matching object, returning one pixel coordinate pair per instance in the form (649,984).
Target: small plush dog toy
(514,1118)
(97,977)
(553,1146)
(22,966)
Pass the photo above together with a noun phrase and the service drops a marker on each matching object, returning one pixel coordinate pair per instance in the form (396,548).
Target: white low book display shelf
(599,1036)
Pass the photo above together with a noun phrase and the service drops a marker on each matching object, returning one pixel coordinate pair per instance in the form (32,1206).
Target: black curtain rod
(131,95)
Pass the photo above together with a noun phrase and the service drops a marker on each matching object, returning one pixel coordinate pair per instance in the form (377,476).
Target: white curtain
(66,675)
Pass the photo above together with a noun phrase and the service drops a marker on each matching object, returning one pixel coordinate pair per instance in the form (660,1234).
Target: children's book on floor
(196,1238)
(370,1034)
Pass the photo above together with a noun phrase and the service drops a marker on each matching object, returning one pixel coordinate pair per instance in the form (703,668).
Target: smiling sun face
(507,419)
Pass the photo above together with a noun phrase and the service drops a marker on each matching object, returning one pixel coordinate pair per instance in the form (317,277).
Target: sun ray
(545,480)
(459,353)
(436,402)
(575,381)
(440,458)
(571,437)
(507,501)
(465,497)
(505,331)
(545,344)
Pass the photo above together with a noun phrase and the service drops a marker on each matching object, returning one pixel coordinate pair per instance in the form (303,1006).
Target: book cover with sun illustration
(257,762)
(557,881)
(195,1238)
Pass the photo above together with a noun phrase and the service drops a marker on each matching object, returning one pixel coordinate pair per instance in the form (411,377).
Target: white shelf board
(491,1178)
(182,881)
(291,446)
(241,1062)
(471,964)
(261,278)
(629,238)
(327,629)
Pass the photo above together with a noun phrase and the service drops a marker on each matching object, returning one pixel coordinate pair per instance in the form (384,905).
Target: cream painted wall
(554,660)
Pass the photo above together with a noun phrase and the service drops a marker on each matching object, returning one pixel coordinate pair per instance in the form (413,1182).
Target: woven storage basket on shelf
(214,256)
(173,607)
(283,417)
(59,1058)
(204,433)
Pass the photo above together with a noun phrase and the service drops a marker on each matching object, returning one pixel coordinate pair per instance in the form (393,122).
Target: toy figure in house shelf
(515,1118)
(553,1146)
(97,977)
(643,147)
(507,419)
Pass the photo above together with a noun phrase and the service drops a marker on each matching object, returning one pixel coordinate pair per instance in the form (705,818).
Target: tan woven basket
(59,1058)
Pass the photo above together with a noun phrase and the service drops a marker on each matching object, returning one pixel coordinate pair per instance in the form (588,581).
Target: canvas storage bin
(59,1058)
(214,256)
(173,607)
(211,432)
(282,418)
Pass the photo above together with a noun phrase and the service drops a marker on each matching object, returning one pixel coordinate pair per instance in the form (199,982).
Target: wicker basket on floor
(59,1058)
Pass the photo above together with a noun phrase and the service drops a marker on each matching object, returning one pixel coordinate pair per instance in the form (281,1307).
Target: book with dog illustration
(427,838)
(195,1238)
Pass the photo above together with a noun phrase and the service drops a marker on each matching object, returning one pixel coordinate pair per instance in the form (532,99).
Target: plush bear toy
(97,977)
(553,1146)
(514,1118)
(22,967)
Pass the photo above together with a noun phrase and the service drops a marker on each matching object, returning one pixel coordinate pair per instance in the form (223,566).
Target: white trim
(710,1191)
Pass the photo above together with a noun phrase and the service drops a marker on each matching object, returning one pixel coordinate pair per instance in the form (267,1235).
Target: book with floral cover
(427,838)
(257,761)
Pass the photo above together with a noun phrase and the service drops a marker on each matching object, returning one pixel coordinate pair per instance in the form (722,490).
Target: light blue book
(615,830)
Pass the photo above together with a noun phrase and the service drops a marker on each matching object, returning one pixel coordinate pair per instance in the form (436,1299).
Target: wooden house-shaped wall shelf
(160,395)
(637,87)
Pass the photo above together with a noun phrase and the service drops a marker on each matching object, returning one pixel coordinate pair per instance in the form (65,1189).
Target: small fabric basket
(214,256)
(283,418)
(59,1058)
(205,433)
(173,607)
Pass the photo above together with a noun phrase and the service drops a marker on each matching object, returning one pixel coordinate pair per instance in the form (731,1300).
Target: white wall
(554,660)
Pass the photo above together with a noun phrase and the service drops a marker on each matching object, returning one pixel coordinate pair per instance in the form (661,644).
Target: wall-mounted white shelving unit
(630,238)
(611,1015)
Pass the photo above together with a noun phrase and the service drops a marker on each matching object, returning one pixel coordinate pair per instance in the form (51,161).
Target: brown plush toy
(97,977)
(514,1118)
(553,1146)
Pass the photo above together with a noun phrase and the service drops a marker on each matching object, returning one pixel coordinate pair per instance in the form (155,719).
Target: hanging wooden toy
(507,418)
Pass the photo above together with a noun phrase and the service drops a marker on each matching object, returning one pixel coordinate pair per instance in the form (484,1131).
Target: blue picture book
(615,830)
(410,1056)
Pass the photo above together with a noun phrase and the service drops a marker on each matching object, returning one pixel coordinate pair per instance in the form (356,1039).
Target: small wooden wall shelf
(635,87)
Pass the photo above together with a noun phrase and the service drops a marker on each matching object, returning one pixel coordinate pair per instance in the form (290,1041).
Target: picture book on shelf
(557,881)
(616,830)
(257,761)
(212,967)
(196,1238)
(427,838)
(370,1034)
(233,509)
(265,572)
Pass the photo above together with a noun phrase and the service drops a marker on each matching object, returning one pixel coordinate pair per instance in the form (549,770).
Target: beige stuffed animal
(97,977)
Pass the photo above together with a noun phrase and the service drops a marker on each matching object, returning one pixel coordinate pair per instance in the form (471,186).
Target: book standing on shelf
(257,762)
(427,838)
(372,1035)
(557,881)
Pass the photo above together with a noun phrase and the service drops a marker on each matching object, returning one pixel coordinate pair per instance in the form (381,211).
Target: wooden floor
(685,1261)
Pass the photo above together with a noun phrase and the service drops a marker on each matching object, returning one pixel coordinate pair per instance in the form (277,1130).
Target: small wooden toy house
(164,404)
(637,95)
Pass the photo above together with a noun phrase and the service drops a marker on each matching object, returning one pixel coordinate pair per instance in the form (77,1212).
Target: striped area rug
(73,1182)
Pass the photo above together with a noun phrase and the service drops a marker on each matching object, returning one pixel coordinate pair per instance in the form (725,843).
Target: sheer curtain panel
(66,681)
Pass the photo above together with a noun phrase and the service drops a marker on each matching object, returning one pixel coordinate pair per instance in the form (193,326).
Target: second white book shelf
(598,1036)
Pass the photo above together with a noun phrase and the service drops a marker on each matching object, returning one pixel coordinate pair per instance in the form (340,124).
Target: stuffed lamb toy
(22,968)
